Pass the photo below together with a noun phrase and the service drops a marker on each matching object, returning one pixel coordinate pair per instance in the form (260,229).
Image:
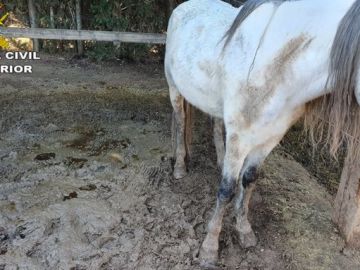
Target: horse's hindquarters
(193,52)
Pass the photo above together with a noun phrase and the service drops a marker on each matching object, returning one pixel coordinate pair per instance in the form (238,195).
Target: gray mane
(245,11)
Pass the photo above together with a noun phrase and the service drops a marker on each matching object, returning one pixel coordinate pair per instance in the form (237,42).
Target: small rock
(72,195)
(76,163)
(106,188)
(116,157)
(13,155)
(100,168)
(89,187)
(100,133)
(45,156)
(51,128)
(20,231)
(3,235)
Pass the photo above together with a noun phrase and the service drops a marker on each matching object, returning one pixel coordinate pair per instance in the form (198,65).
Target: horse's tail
(336,117)
(189,119)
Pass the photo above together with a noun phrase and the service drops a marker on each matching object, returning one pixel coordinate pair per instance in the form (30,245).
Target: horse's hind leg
(219,141)
(234,157)
(246,235)
(248,177)
(179,136)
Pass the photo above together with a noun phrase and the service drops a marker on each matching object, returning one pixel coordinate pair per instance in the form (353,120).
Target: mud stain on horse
(206,67)
(199,29)
(275,75)
(234,152)
(289,53)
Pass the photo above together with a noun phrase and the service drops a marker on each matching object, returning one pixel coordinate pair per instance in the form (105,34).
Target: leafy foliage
(107,15)
(126,15)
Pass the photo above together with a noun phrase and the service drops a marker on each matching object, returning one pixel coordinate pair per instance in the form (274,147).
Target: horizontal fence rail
(64,34)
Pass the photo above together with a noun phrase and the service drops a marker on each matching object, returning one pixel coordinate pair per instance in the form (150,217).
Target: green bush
(107,15)
(128,16)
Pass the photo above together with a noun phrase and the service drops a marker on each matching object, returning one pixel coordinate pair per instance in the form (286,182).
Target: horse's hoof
(179,172)
(209,266)
(247,239)
(208,259)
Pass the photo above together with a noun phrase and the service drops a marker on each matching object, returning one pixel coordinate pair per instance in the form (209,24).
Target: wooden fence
(62,34)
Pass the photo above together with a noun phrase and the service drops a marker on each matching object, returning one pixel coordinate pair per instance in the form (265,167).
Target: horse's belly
(202,96)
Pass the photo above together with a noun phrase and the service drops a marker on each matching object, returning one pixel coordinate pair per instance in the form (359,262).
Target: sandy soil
(85,182)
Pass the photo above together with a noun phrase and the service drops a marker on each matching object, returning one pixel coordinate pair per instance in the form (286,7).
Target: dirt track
(85,182)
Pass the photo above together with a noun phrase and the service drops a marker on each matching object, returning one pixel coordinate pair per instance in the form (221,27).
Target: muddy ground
(85,181)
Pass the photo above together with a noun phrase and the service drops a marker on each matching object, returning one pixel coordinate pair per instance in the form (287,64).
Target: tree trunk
(347,204)
(33,23)
(78,25)
(52,19)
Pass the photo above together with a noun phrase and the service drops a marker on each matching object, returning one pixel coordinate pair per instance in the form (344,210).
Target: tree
(33,23)
(78,25)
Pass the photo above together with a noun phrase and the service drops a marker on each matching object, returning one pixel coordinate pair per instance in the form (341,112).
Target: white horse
(259,68)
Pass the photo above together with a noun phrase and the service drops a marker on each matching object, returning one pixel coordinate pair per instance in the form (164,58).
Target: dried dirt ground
(85,182)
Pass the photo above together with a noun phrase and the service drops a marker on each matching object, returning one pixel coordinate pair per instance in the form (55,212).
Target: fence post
(78,25)
(347,204)
(33,23)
